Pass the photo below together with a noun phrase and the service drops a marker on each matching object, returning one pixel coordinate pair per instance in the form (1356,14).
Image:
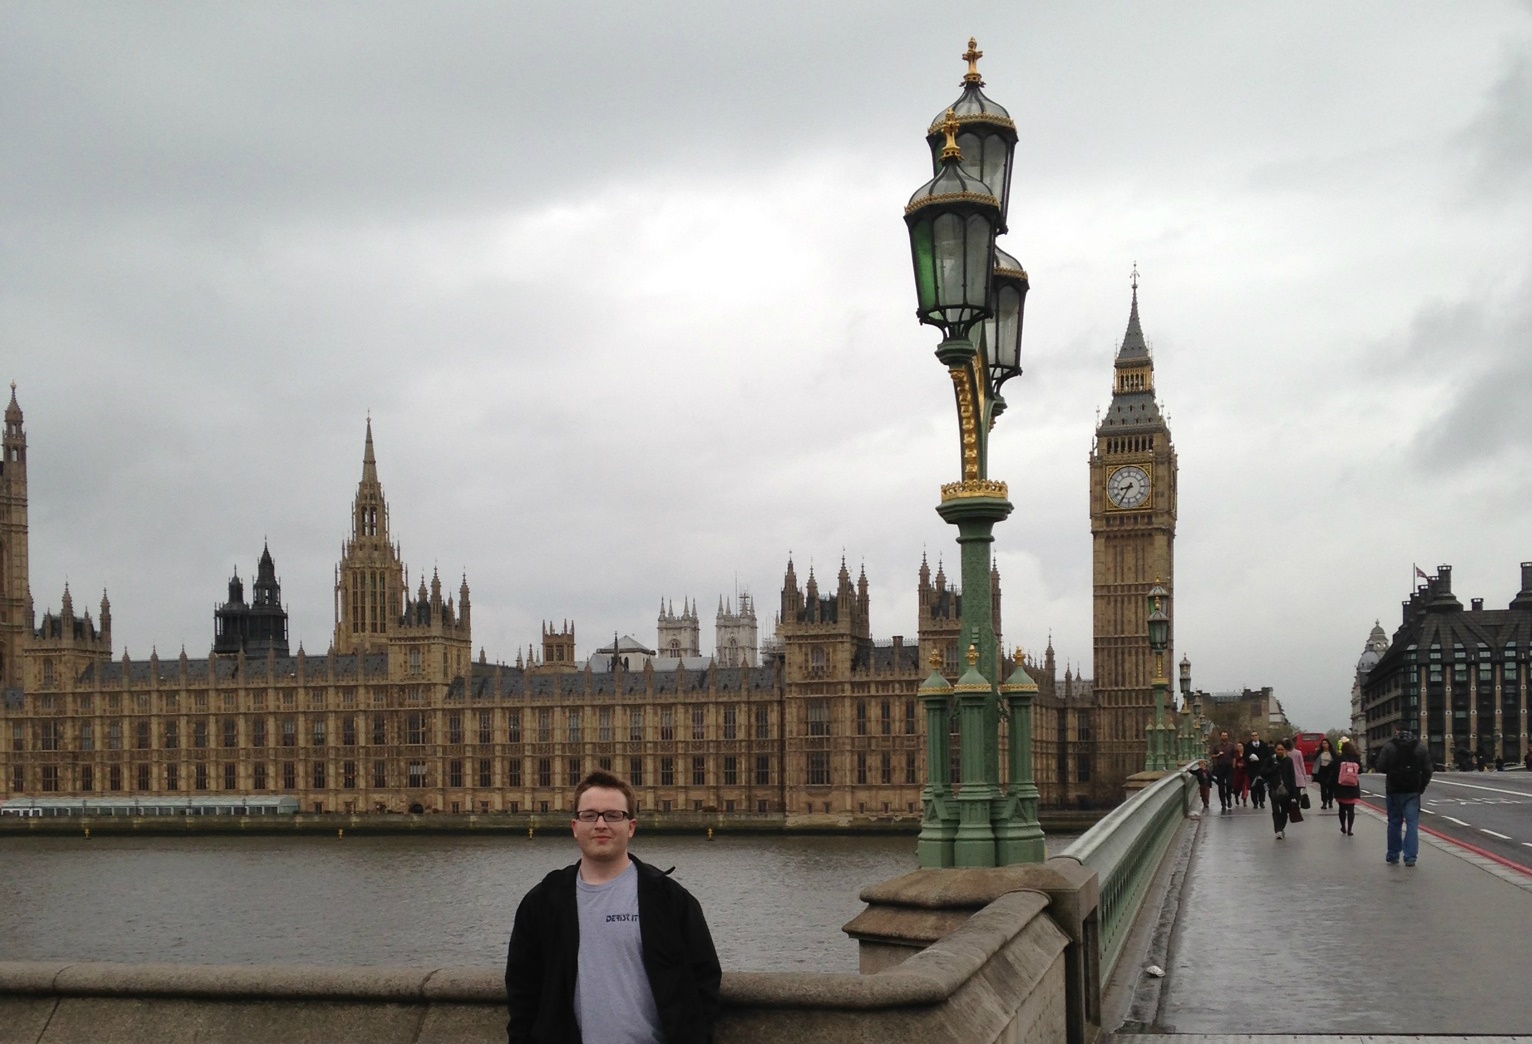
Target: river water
(774,903)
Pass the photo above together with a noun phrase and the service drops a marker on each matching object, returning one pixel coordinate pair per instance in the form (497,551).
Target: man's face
(1223,737)
(1255,737)
(603,842)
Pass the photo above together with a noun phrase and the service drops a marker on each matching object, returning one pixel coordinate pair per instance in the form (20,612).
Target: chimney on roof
(1476,604)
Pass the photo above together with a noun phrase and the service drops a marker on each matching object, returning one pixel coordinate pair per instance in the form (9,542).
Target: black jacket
(542,960)
(1394,754)
(1280,770)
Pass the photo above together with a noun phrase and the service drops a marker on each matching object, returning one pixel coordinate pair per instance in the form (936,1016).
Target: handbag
(1279,792)
(1295,815)
(1303,799)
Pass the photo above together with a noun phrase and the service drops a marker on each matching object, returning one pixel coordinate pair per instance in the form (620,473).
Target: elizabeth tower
(1133,531)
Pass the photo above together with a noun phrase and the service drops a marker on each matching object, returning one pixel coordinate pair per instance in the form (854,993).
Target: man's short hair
(608,781)
(1405,735)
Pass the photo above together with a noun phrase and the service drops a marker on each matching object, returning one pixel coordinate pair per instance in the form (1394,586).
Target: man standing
(1222,758)
(1406,766)
(610,950)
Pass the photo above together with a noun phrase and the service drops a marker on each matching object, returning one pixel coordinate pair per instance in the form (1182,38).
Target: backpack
(1404,776)
(1350,774)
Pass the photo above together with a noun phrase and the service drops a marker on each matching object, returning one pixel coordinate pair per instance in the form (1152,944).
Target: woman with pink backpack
(1348,785)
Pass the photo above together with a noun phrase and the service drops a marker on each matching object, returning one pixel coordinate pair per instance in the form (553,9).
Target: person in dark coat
(1257,757)
(1347,794)
(610,950)
(1406,766)
(1281,781)
(1325,765)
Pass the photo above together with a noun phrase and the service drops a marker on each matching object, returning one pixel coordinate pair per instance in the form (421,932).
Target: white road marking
(1475,786)
(1429,811)
(1459,822)
(1491,833)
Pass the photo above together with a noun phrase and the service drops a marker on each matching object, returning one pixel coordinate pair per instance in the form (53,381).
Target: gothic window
(513,725)
(455,727)
(573,729)
(909,717)
(200,776)
(172,777)
(763,770)
(289,732)
(513,772)
(486,731)
(544,725)
(886,718)
(114,737)
(861,717)
(415,728)
(348,775)
(861,767)
(545,772)
(763,722)
(818,712)
(258,776)
(348,731)
(317,732)
(699,771)
(455,772)
(636,772)
(730,722)
(817,658)
(667,772)
(699,723)
(604,724)
(635,724)
(416,775)
(230,776)
(380,774)
(230,732)
(87,736)
(486,772)
(818,768)
(379,730)
(48,673)
(667,724)
(730,770)
(114,778)
(88,778)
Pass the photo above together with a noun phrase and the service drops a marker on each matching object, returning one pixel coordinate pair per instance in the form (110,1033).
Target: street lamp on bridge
(1157,755)
(975,294)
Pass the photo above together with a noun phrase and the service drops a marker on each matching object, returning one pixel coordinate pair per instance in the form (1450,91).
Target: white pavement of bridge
(1315,934)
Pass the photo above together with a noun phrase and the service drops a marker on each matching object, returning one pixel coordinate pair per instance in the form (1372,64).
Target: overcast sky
(626,290)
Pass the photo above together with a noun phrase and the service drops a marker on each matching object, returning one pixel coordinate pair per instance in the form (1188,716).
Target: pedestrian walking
(1239,779)
(1222,759)
(1406,766)
(1324,773)
(1204,778)
(1347,788)
(1257,757)
(1281,787)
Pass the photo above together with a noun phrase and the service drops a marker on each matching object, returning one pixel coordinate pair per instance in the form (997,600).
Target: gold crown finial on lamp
(950,129)
(972,56)
(973,655)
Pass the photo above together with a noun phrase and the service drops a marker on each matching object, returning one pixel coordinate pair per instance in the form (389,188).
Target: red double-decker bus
(1308,745)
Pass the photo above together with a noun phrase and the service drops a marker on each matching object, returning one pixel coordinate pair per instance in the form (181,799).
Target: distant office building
(1456,677)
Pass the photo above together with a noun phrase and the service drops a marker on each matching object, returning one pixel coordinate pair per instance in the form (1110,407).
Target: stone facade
(1133,476)
(398,715)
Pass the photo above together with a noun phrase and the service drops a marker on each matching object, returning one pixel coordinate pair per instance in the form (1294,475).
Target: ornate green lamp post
(975,294)
(1189,738)
(1157,756)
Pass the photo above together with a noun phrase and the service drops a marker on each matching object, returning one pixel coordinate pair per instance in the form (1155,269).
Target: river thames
(774,903)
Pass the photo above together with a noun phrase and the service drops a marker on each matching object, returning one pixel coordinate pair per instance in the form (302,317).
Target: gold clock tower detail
(1133,531)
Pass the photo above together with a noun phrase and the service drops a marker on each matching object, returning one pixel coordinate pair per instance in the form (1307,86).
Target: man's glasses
(611,815)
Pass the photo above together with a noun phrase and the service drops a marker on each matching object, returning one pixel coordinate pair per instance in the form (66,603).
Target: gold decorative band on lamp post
(988,489)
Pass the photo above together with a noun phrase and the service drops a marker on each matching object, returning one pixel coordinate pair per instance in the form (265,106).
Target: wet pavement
(1316,935)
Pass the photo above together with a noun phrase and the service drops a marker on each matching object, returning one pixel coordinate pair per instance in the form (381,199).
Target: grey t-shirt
(613,1003)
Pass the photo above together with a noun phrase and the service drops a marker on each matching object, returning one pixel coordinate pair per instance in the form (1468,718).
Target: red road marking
(1475,849)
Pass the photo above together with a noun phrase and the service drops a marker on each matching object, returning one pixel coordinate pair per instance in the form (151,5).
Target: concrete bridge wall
(1001,976)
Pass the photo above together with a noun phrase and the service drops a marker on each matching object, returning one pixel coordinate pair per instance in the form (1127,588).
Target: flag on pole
(1420,573)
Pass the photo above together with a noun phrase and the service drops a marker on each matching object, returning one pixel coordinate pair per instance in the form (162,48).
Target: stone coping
(929,977)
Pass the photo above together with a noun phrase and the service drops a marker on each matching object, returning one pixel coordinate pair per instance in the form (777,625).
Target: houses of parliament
(819,723)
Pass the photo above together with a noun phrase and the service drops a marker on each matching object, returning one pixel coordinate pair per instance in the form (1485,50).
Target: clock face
(1128,487)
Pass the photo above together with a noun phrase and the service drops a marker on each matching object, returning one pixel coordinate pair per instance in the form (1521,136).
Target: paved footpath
(1317,935)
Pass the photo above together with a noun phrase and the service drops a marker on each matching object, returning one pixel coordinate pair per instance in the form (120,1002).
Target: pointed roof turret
(13,411)
(266,569)
(369,462)
(1134,350)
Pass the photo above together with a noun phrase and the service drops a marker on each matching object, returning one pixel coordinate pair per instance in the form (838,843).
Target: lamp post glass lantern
(975,294)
